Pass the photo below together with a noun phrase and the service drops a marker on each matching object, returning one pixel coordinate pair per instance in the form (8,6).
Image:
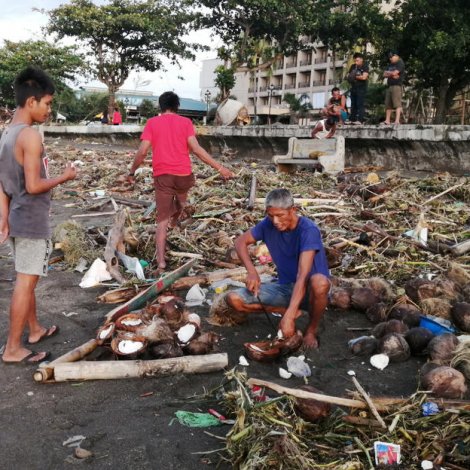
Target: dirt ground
(123,424)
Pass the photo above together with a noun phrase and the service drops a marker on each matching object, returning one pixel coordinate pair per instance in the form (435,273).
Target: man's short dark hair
(169,101)
(331,121)
(358,55)
(335,89)
(32,81)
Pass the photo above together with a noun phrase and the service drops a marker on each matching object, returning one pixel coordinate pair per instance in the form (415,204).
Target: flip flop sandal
(49,333)
(29,359)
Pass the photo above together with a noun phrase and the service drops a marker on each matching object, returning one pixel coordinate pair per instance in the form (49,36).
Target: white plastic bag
(97,273)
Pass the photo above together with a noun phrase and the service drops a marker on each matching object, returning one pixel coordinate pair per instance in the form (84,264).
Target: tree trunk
(112,101)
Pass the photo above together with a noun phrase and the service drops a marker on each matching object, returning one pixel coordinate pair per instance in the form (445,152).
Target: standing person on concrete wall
(395,75)
(25,200)
(358,76)
(171,137)
(117,118)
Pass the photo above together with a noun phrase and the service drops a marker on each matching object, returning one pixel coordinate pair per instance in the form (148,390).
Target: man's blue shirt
(285,247)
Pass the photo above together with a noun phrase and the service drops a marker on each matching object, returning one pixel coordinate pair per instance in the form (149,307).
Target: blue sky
(19,22)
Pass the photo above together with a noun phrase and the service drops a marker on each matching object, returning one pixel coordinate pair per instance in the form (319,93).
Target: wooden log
(102,370)
(369,402)
(115,243)
(238,274)
(460,248)
(45,372)
(148,295)
(252,195)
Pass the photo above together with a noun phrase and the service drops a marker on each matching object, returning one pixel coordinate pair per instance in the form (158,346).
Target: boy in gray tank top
(24,209)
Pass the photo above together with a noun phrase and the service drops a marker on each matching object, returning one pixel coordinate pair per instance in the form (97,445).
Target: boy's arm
(30,146)
(4,212)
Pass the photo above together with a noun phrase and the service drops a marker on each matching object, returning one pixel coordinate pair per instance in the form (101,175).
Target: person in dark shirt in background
(395,74)
(358,76)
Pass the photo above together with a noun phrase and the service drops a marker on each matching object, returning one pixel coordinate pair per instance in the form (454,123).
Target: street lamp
(270,97)
(207,96)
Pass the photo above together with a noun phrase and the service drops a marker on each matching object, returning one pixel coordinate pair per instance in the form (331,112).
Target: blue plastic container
(435,326)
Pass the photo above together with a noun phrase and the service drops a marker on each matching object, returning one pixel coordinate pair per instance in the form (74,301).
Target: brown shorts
(171,192)
(393,97)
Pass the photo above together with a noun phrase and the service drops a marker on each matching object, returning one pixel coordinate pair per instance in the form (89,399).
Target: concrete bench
(329,153)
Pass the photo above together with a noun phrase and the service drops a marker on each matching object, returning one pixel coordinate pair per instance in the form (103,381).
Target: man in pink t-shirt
(171,137)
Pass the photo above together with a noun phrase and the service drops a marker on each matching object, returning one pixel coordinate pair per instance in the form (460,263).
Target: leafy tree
(63,64)
(225,80)
(433,39)
(125,35)
(297,108)
(147,108)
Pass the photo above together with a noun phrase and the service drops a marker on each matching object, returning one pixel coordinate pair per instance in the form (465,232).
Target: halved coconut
(445,382)
(394,345)
(194,318)
(441,348)
(262,351)
(461,315)
(173,312)
(186,333)
(105,332)
(127,344)
(129,322)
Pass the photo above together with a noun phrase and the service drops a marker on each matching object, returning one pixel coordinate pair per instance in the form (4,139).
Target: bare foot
(287,324)
(310,341)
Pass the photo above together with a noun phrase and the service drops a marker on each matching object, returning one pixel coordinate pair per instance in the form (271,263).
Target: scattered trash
(82,453)
(386,453)
(379,361)
(220,286)
(195,296)
(81,265)
(298,367)
(427,465)
(30,394)
(220,417)
(284,374)
(132,265)
(242,361)
(430,408)
(197,420)
(74,441)
(97,273)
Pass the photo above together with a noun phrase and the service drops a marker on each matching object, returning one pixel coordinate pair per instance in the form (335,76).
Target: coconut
(204,344)
(128,344)
(221,314)
(381,288)
(377,313)
(461,359)
(461,316)
(310,409)
(427,367)
(334,257)
(466,293)
(194,318)
(363,298)
(364,345)
(340,298)
(441,348)
(265,351)
(394,345)
(436,307)
(458,275)
(445,382)
(379,330)
(407,313)
(448,289)
(419,289)
(186,333)
(105,332)
(418,338)
(129,322)
(396,326)
(155,331)
(172,311)
(165,350)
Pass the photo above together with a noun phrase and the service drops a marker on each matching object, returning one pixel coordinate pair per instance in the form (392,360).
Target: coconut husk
(363,346)
(155,331)
(418,338)
(461,359)
(363,298)
(460,314)
(436,307)
(379,330)
(407,313)
(381,288)
(466,293)
(445,382)
(441,349)
(165,350)
(394,345)
(173,313)
(334,257)
(204,344)
(378,312)
(221,314)
(396,326)
(458,275)
(448,289)
(309,409)
(340,298)
(427,367)
(419,289)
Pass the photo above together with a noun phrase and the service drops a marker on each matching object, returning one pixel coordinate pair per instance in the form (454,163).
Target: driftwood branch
(115,243)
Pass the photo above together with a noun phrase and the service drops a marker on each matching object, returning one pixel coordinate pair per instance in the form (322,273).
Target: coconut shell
(105,332)
(441,348)
(173,313)
(379,330)
(445,382)
(126,336)
(266,351)
(407,313)
(310,409)
(394,345)
(381,288)
(377,313)
(436,307)
(165,350)
(129,322)
(155,331)
(340,298)
(363,298)
(460,314)
(419,289)
(363,346)
(396,326)
(418,339)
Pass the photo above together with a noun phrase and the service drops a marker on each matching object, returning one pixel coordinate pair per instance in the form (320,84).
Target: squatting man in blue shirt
(296,248)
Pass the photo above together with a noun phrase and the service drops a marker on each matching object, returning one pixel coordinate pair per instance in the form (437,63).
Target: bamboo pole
(103,370)
(252,195)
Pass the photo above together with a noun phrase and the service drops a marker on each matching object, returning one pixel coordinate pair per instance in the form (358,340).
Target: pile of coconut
(397,333)
(164,329)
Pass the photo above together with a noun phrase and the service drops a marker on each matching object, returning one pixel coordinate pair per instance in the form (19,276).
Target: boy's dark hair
(331,121)
(358,55)
(335,89)
(169,101)
(32,81)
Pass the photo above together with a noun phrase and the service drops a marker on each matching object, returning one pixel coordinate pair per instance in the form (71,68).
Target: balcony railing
(303,85)
(332,81)
(320,60)
(289,86)
(290,65)
(305,62)
(318,82)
